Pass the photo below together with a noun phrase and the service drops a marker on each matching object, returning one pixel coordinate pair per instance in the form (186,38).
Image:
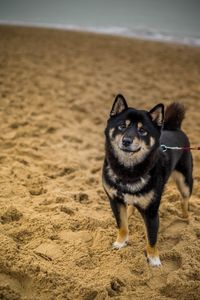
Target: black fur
(174,115)
(153,164)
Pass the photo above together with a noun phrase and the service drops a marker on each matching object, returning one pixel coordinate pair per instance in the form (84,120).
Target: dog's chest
(131,193)
(141,200)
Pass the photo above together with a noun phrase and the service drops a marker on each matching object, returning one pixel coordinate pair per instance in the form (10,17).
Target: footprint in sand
(8,293)
(176,228)
(49,251)
(67,210)
(32,154)
(37,190)
(72,139)
(172,234)
(172,261)
(169,242)
(81,197)
(10,215)
(115,287)
(76,236)
(13,286)
(197,232)
(7,145)
(54,171)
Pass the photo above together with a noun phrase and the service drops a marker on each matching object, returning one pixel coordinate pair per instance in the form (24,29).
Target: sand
(56,226)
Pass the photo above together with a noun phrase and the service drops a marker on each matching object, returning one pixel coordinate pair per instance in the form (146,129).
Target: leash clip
(163,147)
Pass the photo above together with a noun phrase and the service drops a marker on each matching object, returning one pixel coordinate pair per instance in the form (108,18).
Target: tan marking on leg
(153,255)
(152,250)
(130,210)
(181,185)
(184,191)
(184,206)
(122,237)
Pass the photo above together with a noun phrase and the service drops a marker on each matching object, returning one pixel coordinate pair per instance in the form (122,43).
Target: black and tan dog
(136,169)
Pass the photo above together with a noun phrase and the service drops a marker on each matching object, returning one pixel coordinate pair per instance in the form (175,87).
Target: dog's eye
(142,131)
(122,126)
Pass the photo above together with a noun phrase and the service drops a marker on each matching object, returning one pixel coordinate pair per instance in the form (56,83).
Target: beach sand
(56,226)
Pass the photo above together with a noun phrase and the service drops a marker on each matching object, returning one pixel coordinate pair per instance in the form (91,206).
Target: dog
(136,168)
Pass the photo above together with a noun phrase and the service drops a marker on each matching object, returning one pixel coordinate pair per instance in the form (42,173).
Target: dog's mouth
(130,150)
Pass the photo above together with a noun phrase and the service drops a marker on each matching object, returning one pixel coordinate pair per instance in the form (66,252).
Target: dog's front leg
(120,212)
(151,219)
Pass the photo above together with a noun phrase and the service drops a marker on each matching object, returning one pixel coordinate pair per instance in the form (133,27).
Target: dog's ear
(157,114)
(118,106)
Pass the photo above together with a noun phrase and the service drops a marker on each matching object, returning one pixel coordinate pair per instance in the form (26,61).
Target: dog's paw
(118,245)
(154,261)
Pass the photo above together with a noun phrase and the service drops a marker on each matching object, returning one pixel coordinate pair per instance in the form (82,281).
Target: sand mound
(56,226)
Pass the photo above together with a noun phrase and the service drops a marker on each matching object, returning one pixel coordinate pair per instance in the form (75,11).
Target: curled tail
(174,115)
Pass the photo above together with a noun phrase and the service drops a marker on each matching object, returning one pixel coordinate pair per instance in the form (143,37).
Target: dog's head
(132,134)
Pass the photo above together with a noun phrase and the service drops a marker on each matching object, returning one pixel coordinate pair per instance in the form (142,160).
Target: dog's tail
(174,115)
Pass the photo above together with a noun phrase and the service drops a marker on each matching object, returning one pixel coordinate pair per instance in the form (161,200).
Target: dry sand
(56,226)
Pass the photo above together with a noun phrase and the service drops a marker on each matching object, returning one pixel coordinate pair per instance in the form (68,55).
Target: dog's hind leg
(120,212)
(184,191)
(184,181)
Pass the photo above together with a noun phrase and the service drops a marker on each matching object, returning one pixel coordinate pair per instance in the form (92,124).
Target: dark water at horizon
(157,19)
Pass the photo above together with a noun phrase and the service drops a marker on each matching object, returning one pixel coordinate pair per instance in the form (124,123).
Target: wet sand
(56,226)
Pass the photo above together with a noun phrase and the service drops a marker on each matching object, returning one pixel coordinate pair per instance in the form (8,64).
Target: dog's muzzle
(127,145)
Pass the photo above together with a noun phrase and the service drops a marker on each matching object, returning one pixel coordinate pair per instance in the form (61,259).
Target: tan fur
(127,122)
(157,116)
(111,191)
(118,107)
(184,191)
(152,251)
(152,141)
(129,159)
(111,174)
(184,206)
(180,181)
(123,230)
(130,187)
(143,201)
(111,132)
(130,210)
(136,141)
(139,125)
(137,186)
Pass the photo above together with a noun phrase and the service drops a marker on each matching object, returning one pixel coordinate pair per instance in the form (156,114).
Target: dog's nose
(126,141)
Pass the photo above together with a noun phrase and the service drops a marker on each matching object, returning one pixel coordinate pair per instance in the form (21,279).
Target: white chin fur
(154,261)
(118,245)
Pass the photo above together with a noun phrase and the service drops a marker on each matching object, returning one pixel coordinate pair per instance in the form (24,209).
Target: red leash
(165,148)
